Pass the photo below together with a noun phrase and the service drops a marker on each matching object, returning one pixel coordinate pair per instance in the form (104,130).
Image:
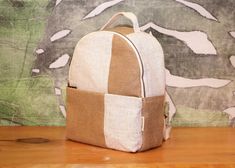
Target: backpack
(116,90)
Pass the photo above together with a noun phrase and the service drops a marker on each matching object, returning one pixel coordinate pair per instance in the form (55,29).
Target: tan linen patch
(153,112)
(85,117)
(124,72)
(122,30)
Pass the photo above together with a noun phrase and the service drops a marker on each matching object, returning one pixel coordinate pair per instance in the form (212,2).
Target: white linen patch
(123,122)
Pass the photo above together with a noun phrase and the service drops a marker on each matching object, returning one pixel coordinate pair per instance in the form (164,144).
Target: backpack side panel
(152,57)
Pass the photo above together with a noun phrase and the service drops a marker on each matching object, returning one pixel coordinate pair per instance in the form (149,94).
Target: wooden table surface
(188,147)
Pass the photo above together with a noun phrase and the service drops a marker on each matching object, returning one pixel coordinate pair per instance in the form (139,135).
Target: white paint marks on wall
(177,81)
(60,62)
(35,70)
(232,60)
(232,33)
(63,110)
(101,8)
(231,112)
(57,91)
(198,8)
(60,34)
(39,51)
(195,40)
(57,2)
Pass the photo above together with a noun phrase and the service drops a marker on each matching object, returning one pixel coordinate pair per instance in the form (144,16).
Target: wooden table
(188,147)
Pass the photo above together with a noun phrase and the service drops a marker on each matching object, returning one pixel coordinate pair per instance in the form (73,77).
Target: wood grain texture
(188,147)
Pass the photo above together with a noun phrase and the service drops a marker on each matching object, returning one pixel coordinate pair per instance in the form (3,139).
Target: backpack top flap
(109,62)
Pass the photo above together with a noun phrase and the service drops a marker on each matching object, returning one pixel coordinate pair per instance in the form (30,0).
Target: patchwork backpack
(116,91)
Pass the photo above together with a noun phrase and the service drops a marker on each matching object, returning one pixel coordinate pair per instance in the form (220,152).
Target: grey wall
(198,42)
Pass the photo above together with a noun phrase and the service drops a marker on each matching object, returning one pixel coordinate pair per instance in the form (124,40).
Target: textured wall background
(37,39)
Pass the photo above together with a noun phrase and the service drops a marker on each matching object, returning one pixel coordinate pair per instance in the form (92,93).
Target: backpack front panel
(104,108)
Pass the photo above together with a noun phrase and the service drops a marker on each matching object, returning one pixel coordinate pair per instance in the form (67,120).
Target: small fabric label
(142,127)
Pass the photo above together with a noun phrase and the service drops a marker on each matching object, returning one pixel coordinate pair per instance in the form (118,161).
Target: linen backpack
(116,91)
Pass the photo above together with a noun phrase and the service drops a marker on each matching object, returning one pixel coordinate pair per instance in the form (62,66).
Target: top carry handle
(128,15)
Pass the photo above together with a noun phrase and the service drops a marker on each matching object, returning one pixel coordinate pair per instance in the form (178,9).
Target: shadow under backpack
(116,91)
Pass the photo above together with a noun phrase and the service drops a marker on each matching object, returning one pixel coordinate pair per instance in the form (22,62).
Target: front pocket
(122,122)
(114,121)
